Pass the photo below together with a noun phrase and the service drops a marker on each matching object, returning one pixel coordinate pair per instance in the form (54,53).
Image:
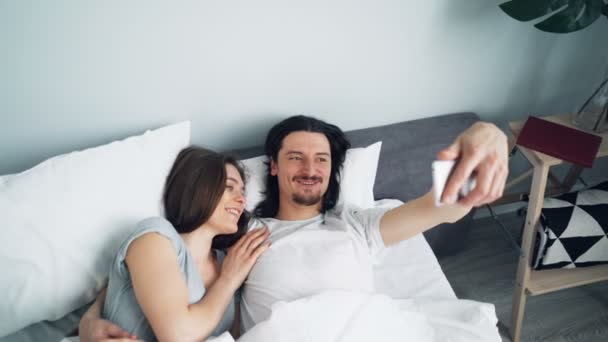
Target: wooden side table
(530,282)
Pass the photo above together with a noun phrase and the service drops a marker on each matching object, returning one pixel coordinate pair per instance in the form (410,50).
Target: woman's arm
(93,328)
(162,292)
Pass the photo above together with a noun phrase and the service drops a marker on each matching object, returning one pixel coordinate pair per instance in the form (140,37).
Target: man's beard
(310,198)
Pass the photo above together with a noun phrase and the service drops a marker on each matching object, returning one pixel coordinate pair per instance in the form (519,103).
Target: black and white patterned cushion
(574,230)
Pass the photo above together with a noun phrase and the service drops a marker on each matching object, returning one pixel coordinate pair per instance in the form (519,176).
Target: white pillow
(359,176)
(356,185)
(62,221)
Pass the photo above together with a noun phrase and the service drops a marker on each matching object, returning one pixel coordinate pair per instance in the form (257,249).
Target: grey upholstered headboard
(404,168)
(408,148)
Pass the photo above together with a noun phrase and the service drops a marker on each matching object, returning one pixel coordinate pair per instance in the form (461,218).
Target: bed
(392,276)
(405,271)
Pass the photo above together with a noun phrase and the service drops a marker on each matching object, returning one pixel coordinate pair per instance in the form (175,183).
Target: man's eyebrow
(318,153)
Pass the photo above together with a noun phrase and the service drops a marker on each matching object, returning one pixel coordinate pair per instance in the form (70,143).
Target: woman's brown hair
(194,188)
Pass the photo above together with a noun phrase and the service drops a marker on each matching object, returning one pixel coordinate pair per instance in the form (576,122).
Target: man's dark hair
(193,189)
(338,144)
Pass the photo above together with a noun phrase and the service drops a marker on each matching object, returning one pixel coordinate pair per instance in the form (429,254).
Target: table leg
(570,180)
(539,184)
(511,144)
(519,179)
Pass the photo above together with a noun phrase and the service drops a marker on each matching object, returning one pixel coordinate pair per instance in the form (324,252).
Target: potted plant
(564,16)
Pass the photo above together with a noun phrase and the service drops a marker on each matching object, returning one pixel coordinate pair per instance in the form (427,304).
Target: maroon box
(560,141)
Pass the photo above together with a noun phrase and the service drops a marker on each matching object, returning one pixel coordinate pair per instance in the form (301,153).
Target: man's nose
(308,167)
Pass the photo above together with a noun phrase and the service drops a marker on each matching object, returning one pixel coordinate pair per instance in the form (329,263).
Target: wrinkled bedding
(354,316)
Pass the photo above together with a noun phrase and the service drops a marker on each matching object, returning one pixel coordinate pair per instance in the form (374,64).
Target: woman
(170,279)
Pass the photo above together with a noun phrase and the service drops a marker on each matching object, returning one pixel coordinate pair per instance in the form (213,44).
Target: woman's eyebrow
(232,179)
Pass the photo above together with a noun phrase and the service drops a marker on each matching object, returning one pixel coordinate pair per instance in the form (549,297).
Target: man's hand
(482,149)
(97,329)
(92,328)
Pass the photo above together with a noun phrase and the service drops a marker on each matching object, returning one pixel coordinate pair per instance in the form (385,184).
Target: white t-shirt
(332,251)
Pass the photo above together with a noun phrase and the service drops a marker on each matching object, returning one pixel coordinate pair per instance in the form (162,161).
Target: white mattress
(408,269)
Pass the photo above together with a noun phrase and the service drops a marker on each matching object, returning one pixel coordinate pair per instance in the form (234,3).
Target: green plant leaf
(526,10)
(578,15)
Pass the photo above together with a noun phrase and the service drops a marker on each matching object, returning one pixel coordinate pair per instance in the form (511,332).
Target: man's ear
(273,167)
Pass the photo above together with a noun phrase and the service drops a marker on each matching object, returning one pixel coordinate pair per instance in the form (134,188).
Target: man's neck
(290,211)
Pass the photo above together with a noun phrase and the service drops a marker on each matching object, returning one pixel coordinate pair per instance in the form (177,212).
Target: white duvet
(355,316)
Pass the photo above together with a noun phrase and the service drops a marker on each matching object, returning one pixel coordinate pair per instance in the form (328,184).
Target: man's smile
(308,182)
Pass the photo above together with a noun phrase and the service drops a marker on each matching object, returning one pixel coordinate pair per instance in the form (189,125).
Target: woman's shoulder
(158,225)
(155,224)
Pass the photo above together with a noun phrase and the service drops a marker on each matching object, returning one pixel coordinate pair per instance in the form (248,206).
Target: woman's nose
(240,198)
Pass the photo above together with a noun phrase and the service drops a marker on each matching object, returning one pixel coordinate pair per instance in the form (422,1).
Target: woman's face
(230,207)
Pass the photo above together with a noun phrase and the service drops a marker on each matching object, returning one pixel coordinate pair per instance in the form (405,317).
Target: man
(328,246)
(318,246)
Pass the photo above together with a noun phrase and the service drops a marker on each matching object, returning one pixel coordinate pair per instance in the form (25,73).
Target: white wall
(75,74)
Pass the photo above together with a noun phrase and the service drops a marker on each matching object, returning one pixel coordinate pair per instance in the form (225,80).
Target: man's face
(303,167)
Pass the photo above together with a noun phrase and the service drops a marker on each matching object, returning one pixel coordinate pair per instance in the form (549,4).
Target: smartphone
(442,170)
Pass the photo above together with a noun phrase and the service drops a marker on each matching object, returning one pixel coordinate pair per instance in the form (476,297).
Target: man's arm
(93,328)
(417,216)
(483,149)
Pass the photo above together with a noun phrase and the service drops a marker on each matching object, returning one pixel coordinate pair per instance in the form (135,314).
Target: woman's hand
(243,255)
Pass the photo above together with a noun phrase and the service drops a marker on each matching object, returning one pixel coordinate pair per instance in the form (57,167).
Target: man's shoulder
(350,212)
(343,210)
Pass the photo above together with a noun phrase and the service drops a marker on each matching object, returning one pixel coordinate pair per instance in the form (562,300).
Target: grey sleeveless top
(121,306)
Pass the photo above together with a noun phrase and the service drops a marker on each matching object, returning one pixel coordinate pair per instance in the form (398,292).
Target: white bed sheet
(410,268)
(406,270)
